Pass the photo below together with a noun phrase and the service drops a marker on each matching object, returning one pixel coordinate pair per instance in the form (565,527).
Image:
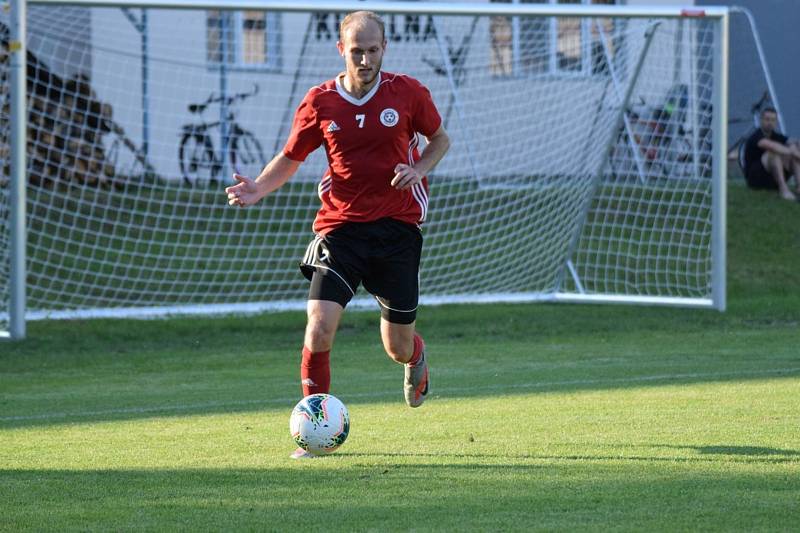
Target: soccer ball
(319,424)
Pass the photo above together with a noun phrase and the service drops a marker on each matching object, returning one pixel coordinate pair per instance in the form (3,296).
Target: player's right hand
(405,176)
(244,193)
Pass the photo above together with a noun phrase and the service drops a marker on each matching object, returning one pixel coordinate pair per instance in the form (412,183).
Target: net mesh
(133,134)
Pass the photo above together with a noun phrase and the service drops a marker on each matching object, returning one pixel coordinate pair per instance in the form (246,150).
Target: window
(246,39)
(532,46)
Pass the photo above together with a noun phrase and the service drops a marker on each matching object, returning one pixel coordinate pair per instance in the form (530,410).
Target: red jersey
(364,140)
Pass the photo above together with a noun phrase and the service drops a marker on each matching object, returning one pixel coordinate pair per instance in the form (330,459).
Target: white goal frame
(17,315)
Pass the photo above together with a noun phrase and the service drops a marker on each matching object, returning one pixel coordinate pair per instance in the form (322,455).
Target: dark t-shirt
(753,153)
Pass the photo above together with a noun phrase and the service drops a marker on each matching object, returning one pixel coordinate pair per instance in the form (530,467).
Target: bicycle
(199,161)
(647,136)
(654,143)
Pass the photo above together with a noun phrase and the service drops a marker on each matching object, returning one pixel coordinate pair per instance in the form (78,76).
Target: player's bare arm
(249,191)
(406,175)
(774,147)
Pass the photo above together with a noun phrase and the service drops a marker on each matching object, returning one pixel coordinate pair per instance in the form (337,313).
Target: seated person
(771,158)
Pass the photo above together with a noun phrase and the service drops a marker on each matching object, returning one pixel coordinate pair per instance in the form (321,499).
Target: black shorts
(758,177)
(383,255)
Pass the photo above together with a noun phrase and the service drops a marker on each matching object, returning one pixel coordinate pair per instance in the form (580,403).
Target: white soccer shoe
(415,385)
(300,453)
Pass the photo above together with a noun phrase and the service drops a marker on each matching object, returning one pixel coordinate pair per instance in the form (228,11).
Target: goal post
(13,191)
(587,161)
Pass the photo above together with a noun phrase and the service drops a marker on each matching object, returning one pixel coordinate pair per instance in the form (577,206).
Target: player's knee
(319,335)
(398,349)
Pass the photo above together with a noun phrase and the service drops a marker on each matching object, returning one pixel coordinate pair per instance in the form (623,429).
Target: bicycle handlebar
(199,108)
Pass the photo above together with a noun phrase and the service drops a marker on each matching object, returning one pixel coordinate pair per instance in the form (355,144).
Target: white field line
(449,391)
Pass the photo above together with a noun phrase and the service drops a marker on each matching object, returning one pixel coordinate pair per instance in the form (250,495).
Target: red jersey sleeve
(306,135)
(426,117)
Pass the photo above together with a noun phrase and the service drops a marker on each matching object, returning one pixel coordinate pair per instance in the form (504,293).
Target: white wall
(527,119)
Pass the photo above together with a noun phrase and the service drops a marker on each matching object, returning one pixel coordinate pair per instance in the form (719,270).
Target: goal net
(584,162)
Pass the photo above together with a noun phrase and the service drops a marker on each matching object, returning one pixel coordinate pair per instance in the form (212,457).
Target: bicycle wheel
(199,167)
(246,152)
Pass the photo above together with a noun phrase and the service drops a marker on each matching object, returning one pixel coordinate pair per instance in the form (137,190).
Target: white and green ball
(319,423)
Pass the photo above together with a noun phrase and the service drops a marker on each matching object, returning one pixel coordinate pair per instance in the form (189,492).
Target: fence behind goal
(587,159)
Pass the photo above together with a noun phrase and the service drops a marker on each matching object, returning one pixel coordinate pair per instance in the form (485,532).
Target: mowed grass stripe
(440,392)
(677,417)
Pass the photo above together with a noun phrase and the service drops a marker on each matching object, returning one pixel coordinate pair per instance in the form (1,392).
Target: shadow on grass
(103,406)
(748,451)
(340,496)
(710,454)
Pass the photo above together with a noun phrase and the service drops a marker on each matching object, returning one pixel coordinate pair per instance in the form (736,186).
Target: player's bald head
(361,19)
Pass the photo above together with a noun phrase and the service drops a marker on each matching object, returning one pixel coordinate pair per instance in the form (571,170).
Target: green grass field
(550,417)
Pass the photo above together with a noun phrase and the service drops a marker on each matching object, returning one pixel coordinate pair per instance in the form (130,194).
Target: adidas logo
(308,382)
(333,126)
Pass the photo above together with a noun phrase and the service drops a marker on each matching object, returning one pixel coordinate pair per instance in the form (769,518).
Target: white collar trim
(364,99)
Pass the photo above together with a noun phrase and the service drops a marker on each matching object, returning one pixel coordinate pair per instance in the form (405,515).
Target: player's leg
(398,340)
(774,165)
(403,344)
(315,370)
(328,263)
(393,279)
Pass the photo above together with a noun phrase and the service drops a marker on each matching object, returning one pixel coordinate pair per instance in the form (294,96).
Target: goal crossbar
(428,8)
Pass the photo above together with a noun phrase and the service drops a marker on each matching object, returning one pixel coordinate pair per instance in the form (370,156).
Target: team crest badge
(389,117)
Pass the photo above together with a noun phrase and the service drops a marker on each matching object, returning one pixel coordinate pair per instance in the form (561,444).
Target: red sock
(419,347)
(315,372)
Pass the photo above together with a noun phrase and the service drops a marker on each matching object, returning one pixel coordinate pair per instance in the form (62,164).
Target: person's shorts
(384,255)
(758,177)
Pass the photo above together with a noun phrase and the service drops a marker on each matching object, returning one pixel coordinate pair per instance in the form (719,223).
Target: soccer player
(374,197)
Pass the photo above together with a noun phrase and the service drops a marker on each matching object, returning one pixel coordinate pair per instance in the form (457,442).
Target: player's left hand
(405,176)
